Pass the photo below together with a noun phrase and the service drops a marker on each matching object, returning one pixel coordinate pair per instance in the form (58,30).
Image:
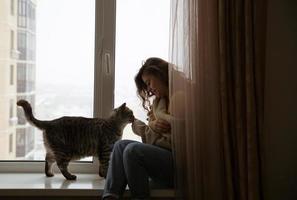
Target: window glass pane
(142,31)
(54,69)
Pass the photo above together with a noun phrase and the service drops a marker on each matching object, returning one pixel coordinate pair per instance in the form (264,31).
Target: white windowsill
(37,184)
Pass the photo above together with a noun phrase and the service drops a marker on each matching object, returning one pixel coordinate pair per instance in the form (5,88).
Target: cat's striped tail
(29,114)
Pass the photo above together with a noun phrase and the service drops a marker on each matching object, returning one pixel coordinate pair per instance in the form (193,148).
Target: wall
(280,133)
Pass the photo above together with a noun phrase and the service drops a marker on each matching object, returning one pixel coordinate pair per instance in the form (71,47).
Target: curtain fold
(216,84)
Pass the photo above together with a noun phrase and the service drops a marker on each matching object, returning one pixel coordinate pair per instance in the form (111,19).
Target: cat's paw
(71,177)
(102,173)
(49,174)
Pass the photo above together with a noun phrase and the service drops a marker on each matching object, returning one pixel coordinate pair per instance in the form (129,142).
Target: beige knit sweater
(147,134)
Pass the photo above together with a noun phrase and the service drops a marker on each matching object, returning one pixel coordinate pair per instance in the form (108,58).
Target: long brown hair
(152,66)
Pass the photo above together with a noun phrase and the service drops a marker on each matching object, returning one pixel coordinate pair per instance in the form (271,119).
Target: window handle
(106,60)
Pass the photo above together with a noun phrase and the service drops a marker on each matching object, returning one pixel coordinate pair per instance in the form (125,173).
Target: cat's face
(124,113)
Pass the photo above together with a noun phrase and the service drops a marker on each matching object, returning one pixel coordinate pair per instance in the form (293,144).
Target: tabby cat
(72,138)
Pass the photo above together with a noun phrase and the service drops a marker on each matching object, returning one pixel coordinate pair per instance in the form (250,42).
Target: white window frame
(104,52)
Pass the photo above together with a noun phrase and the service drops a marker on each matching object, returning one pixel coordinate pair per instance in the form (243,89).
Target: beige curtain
(216,84)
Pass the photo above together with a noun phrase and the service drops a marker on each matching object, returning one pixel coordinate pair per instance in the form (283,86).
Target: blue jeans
(133,163)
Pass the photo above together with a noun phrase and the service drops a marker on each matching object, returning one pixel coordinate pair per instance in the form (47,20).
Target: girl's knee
(121,144)
(133,151)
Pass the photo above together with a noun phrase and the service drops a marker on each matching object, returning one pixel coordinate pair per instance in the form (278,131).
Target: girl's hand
(160,126)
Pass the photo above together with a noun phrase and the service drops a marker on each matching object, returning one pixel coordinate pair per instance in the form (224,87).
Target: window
(11,106)
(12,7)
(10,143)
(55,70)
(142,32)
(22,44)
(22,13)
(11,75)
(31,16)
(11,39)
(21,77)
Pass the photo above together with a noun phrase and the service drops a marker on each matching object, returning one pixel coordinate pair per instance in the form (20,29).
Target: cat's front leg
(63,166)
(49,161)
(104,156)
(103,171)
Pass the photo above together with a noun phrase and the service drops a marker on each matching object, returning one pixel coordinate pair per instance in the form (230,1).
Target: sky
(65,41)
(142,31)
(65,38)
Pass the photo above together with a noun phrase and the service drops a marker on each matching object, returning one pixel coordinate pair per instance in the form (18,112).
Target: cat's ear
(123,106)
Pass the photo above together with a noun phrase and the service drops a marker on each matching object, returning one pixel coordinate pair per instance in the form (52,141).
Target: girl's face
(155,85)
